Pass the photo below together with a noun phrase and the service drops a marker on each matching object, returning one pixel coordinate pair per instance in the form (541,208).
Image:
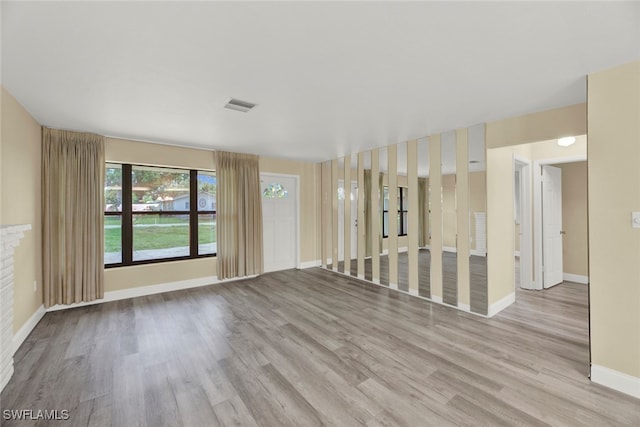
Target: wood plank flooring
(311,347)
(477,276)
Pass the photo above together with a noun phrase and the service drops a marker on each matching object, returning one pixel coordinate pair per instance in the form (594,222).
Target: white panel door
(551,225)
(279,221)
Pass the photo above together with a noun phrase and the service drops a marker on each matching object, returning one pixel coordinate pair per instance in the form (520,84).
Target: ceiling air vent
(238,105)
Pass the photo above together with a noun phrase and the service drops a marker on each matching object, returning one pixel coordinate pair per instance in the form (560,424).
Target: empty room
(320,213)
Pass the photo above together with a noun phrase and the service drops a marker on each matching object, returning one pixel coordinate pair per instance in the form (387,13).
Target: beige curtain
(72,216)
(423,226)
(239,211)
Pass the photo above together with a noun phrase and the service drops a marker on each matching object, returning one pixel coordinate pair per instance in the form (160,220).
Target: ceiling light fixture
(565,142)
(238,105)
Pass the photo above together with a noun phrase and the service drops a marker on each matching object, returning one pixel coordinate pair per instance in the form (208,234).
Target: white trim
(616,380)
(477,252)
(393,286)
(501,304)
(309,264)
(464,307)
(436,298)
(449,249)
(517,253)
(149,290)
(403,249)
(5,376)
(414,292)
(361,276)
(25,330)
(385,252)
(575,278)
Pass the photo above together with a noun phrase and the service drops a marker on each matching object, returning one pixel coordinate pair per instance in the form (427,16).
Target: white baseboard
(616,380)
(464,307)
(575,278)
(25,330)
(5,375)
(477,252)
(449,249)
(436,298)
(361,276)
(414,292)
(393,286)
(501,304)
(309,264)
(149,290)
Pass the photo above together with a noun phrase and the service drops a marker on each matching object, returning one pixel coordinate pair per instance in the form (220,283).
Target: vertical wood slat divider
(334,214)
(361,221)
(435,198)
(392,241)
(375,213)
(347,214)
(462,212)
(413,226)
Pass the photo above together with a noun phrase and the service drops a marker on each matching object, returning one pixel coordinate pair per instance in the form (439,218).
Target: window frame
(127,215)
(401,211)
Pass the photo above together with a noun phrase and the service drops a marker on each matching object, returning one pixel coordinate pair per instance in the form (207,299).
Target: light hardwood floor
(311,347)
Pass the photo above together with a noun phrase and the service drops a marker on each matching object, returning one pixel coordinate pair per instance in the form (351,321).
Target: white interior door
(279,221)
(551,225)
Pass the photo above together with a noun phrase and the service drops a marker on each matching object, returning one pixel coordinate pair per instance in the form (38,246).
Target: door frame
(537,210)
(296,178)
(526,249)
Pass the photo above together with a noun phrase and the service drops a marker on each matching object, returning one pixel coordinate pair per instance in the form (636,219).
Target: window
(403,211)
(148,216)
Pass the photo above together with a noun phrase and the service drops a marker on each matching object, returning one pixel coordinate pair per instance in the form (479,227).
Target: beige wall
(21,202)
(126,151)
(541,126)
(614,192)
(574,218)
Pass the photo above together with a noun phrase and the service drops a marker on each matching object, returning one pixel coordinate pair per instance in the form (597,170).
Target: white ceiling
(329,78)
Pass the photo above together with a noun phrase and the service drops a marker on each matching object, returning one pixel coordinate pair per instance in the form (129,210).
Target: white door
(279,221)
(551,225)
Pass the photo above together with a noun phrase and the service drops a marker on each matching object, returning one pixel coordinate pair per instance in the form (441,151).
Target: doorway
(279,221)
(550,233)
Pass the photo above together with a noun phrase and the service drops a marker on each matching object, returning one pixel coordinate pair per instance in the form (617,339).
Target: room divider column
(375,217)
(413,214)
(463,215)
(392,224)
(361,225)
(435,201)
(334,214)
